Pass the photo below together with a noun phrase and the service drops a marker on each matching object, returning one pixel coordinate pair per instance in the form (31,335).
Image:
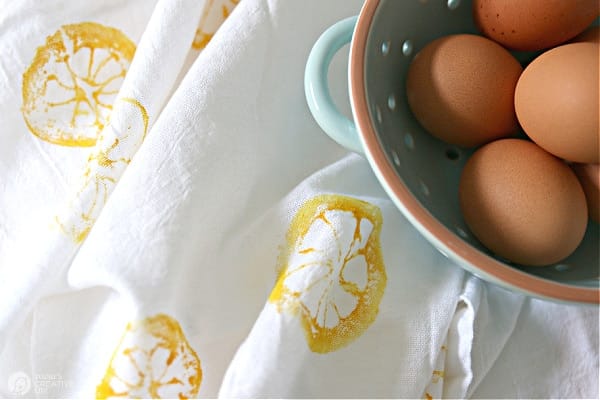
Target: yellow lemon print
(152,360)
(331,272)
(213,15)
(69,88)
(435,388)
(116,145)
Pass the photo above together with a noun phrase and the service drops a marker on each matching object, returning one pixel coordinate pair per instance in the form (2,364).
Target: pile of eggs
(528,197)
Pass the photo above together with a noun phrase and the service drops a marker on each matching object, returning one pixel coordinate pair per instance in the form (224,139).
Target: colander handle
(316,87)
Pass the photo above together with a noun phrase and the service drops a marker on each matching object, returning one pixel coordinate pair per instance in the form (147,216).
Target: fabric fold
(483,321)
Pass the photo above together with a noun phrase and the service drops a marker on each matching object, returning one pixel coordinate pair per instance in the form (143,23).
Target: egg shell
(533,24)
(523,203)
(556,101)
(589,177)
(461,89)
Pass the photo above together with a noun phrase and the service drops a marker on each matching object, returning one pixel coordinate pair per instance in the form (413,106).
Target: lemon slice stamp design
(213,15)
(69,88)
(116,145)
(332,274)
(152,360)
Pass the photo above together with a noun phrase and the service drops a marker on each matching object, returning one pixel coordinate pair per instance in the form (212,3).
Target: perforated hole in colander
(395,158)
(409,141)
(424,188)
(391,102)
(378,114)
(461,232)
(385,48)
(453,4)
(407,48)
(562,267)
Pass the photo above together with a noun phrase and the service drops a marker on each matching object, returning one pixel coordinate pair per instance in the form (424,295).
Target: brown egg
(523,203)
(589,177)
(533,24)
(461,89)
(556,101)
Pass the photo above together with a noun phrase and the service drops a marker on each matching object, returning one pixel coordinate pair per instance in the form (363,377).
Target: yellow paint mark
(437,375)
(142,111)
(72,81)
(213,15)
(152,360)
(114,150)
(428,396)
(331,272)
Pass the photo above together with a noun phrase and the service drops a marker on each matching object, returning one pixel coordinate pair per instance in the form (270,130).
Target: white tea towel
(230,249)
(560,346)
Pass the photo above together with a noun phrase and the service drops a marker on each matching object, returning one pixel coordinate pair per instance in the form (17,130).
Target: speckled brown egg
(589,177)
(557,104)
(533,24)
(461,89)
(523,203)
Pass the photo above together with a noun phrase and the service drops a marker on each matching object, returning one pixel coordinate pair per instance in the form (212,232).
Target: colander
(419,172)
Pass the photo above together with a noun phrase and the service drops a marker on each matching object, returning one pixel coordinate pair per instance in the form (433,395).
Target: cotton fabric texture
(173,223)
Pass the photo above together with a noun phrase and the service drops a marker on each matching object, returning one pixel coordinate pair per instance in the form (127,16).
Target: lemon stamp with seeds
(332,274)
(69,88)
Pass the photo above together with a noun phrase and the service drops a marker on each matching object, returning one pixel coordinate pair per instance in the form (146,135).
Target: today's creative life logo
(19,384)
